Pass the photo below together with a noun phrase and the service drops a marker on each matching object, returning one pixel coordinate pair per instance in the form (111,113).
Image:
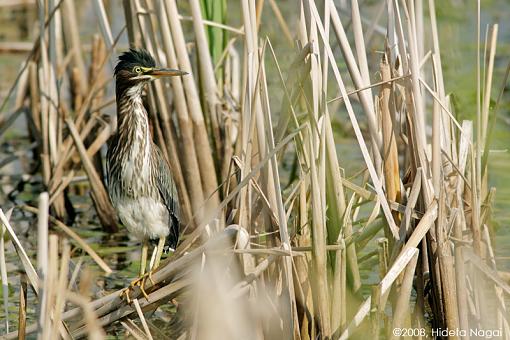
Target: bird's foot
(138,282)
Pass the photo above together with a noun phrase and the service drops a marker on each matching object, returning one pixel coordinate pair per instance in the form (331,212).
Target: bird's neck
(131,114)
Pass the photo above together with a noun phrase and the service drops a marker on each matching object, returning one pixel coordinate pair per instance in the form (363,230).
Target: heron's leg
(143,258)
(156,259)
(153,258)
(159,252)
(140,281)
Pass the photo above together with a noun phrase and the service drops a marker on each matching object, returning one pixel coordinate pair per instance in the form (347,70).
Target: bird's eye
(137,69)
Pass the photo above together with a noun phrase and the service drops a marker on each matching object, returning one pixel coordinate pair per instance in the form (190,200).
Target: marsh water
(457,27)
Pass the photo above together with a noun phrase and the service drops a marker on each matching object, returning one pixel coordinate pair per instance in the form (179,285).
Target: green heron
(140,183)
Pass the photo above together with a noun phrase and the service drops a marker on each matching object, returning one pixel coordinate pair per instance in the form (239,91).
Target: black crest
(134,57)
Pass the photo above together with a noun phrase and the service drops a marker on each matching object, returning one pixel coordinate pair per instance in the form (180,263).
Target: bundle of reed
(418,210)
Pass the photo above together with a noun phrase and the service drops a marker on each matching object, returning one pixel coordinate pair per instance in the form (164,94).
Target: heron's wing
(169,196)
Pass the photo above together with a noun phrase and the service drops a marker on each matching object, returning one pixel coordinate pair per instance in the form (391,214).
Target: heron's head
(137,67)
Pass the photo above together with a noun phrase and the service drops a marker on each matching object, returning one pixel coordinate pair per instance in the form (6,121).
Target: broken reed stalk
(3,276)
(42,259)
(22,313)
(401,316)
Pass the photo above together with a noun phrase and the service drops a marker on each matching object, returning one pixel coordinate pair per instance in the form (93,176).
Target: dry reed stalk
(69,232)
(339,294)
(414,60)
(334,187)
(352,265)
(14,116)
(44,128)
(398,266)
(188,155)
(67,146)
(438,73)
(73,42)
(102,203)
(324,57)
(258,12)
(133,329)
(104,25)
(339,220)
(142,319)
(446,265)
(50,61)
(50,292)
(253,127)
(101,139)
(168,281)
(34,97)
(193,195)
(318,249)
(482,144)
(493,35)
(359,42)
(47,256)
(302,284)
(474,203)
(281,20)
(3,274)
(164,275)
(93,328)
(22,89)
(376,311)
(405,227)
(291,87)
(168,292)
(82,244)
(25,261)
(235,191)
(382,247)
(67,156)
(207,77)
(22,314)
(365,97)
(98,53)
(390,152)
(61,286)
(278,200)
(247,126)
(133,34)
(204,155)
(373,173)
(42,249)
(400,311)
(35,48)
